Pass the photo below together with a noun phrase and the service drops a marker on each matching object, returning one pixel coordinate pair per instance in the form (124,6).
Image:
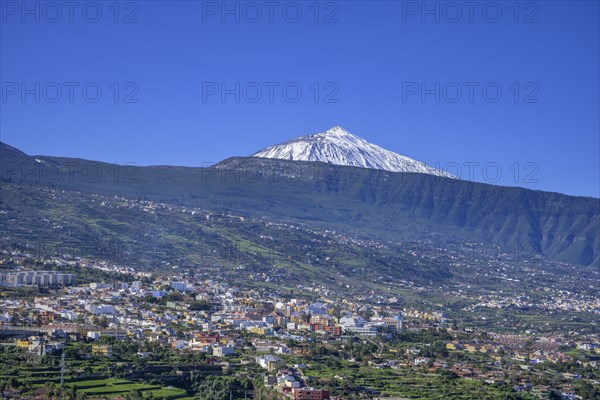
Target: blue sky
(508,93)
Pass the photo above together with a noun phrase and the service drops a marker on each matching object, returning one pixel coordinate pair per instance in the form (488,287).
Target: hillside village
(277,337)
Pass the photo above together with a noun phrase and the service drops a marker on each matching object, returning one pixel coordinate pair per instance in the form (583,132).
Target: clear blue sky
(370,57)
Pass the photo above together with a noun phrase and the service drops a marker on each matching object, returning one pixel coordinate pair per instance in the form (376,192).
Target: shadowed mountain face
(388,204)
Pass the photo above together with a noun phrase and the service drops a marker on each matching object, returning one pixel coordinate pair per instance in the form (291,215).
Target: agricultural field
(33,377)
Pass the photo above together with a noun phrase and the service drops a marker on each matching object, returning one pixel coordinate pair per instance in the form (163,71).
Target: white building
(268,362)
(98,309)
(367,330)
(222,351)
(99,285)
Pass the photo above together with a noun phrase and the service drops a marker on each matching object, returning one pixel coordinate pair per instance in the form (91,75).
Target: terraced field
(119,387)
(406,383)
(94,387)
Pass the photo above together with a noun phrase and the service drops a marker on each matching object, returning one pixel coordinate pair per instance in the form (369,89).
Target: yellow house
(258,330)
(102,350)
(23,343)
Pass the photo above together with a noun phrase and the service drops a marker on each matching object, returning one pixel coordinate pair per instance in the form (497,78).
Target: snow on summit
(340,147)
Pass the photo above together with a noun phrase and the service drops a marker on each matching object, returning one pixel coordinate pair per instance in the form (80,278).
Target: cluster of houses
(289,380)
(221,320)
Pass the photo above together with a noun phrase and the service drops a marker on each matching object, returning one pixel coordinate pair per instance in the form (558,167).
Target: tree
(201,305)
(587,391)
(136,395)
(221,387)
(553,395)
(448,375)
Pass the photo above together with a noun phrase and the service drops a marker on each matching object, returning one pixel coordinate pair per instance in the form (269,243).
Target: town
(92,328)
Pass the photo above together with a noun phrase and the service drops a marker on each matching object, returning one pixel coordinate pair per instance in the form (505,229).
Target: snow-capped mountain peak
(337,131)
(340,147)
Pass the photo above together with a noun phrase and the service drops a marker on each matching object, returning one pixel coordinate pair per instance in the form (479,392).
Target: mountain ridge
(395,205)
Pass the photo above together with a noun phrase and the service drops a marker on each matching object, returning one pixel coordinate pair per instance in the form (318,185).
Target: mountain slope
(340,147)
(420,205)
(394,205)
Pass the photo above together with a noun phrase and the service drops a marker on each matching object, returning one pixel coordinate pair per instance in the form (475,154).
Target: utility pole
(62,369)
